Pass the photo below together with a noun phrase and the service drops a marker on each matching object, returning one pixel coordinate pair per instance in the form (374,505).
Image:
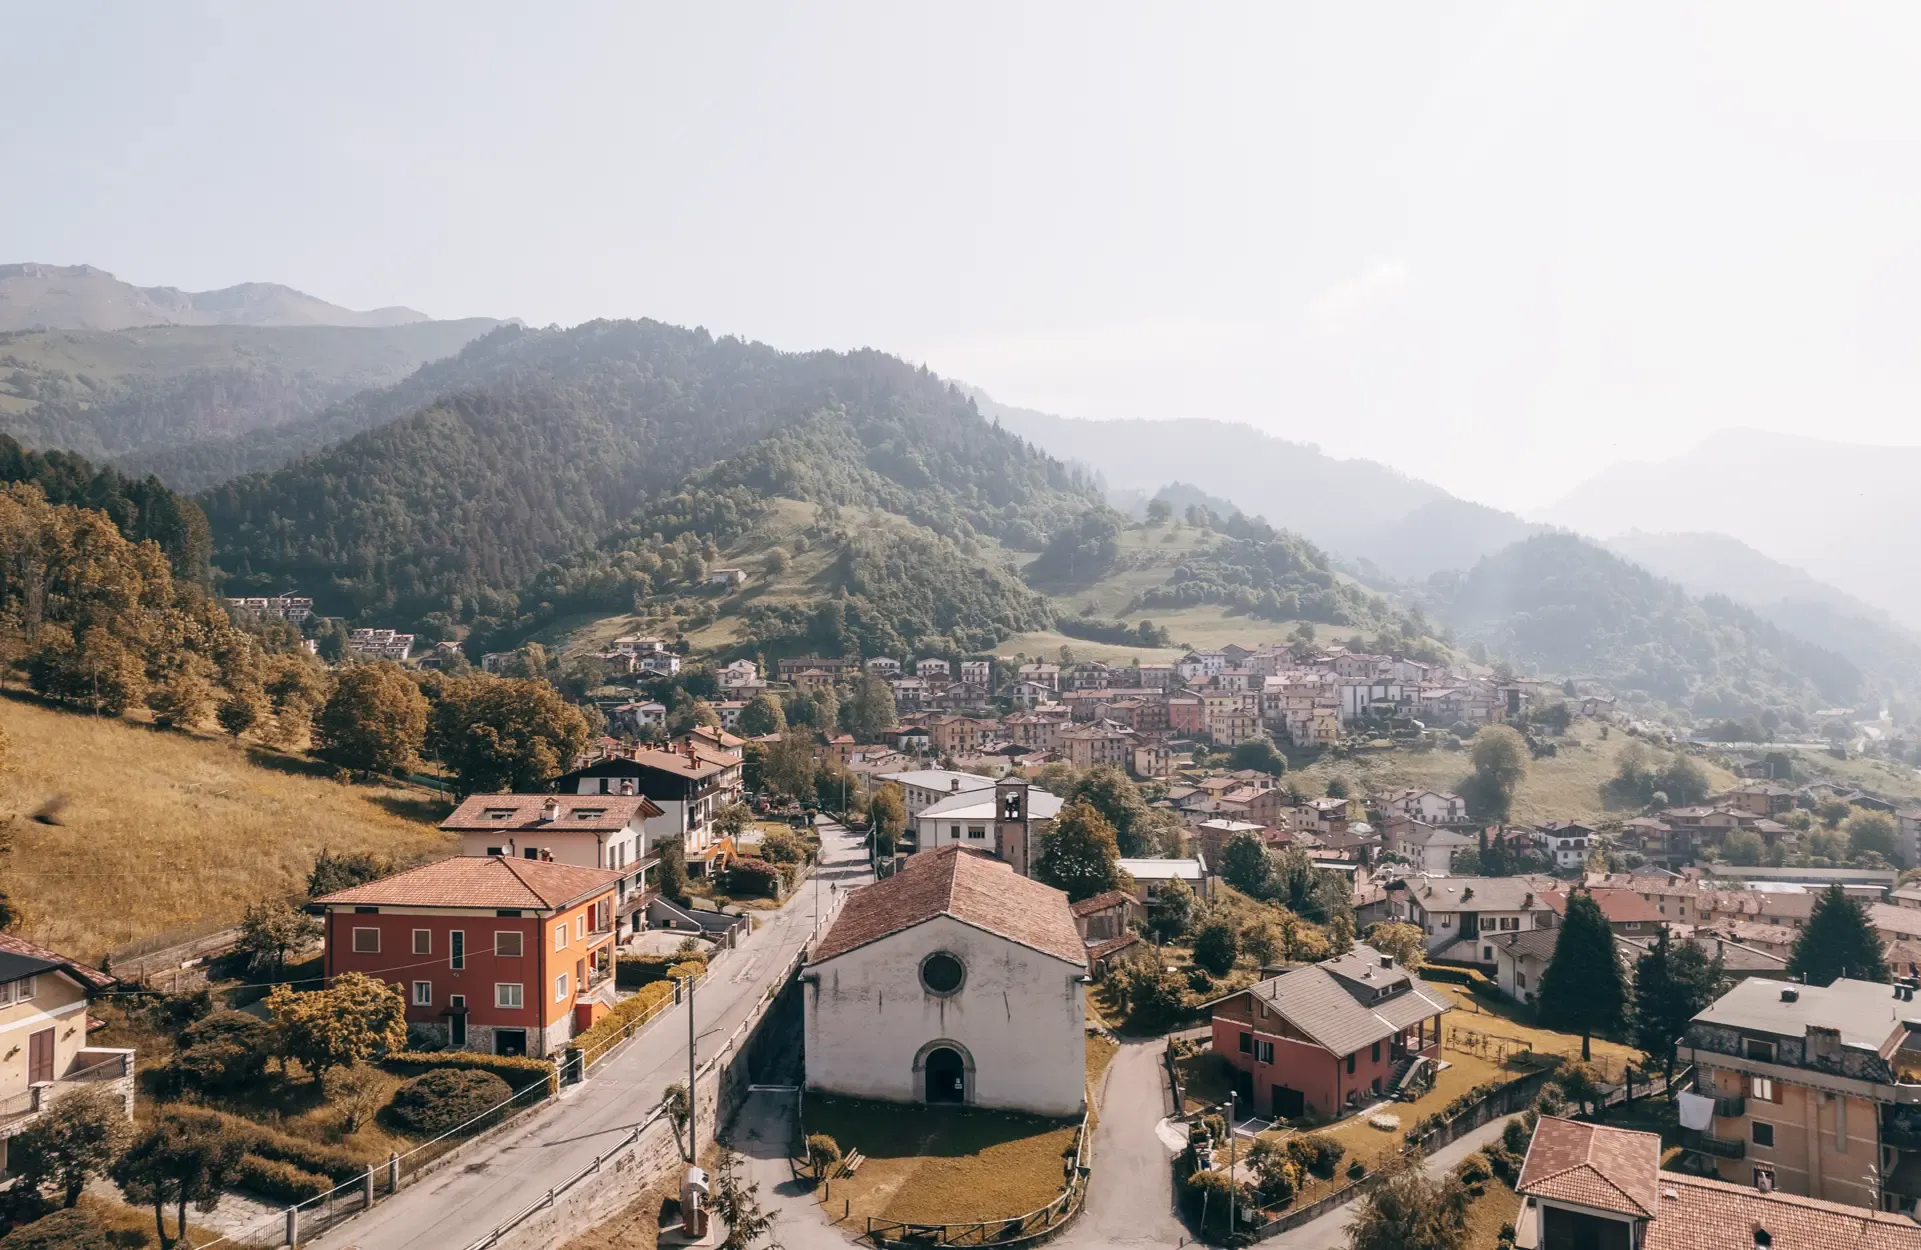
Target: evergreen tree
(1583,990)
(1672,985)
(1839,941)
(1079,854)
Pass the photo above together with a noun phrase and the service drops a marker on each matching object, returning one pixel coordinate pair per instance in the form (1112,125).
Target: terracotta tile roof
(522,812)
(92,978)
(1701,1214)
(1101,902)
(1592,1165)
(482,881)
(1622,906)
(706,763)
(974,889)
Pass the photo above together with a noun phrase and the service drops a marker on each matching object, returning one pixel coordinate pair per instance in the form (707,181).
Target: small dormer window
(499,813)
(589,813)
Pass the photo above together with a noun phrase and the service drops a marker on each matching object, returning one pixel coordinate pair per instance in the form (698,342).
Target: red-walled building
(1186,714)
(504,956)
(1329,1036)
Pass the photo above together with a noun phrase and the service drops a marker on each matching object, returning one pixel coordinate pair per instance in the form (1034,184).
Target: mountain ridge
(37,296)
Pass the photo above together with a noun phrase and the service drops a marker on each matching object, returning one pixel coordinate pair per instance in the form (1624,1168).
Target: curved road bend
(467,1200)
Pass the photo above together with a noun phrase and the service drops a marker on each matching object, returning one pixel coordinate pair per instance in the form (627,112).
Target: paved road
(1130,1196)
(461,1204)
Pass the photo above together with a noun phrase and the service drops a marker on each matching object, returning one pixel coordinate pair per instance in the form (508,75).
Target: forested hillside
(1573,609)
(82,297)
(570,458)
(155,395)
(140,509)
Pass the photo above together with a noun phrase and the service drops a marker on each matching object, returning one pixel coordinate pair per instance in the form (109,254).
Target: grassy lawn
(1488,1027)
(1565,786)
(941,1164)
(1497,1205)
(167,832)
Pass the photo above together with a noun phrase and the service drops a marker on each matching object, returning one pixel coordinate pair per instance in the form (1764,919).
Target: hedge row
(519,1071)
(626,1013)
(633,971)
(307,1156)
(272,1178)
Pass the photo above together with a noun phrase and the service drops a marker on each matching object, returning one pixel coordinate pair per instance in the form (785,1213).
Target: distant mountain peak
(85,297)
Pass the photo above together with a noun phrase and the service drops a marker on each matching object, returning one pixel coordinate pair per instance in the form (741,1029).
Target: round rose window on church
(942,973)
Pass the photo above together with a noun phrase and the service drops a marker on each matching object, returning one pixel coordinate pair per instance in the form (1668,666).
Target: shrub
(1277,1177)
(519,1071)
(687,968)
(1356,1170)
(823,1154)
(755,877)
(273,1178)
(1475,1172)
(73,1229)
(633,971)
(441,1101)
(1209,1194)
(331,1161)
(1316,1152)
(779,846)
(226,1050)
(626,1014)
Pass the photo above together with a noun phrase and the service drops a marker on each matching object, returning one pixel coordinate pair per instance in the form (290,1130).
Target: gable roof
(1702,1214)
(980,805)
(1592,1165)
(1101,902)
(1452,894)
(482,881)
(974,889)
(21,949)
(1317,1001)
(595,813)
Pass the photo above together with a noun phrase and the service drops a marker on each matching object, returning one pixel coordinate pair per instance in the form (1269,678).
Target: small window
(1763,1134)
(1264,1052)
(507,943)
(1375,1057)
(423,942)
(1755,1048)
(457,949)
(560,988)
(506,994)
(25,989)
(1247,1043)
(497,850)
(977,831)
(1761,1088)
(423,993)
(366,941)
(560,936)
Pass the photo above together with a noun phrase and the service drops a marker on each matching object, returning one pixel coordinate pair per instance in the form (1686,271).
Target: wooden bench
(851,1163)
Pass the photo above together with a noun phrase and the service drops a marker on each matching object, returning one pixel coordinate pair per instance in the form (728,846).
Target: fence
(1005,1232)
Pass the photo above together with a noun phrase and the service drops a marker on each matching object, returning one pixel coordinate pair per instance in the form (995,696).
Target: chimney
(546,854)
(626,785)
(1387,961)
(953,785)
(692,761)
(550,811)
(1789,994)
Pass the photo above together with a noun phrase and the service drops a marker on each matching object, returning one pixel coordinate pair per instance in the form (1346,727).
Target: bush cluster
(280,1180)
(627,1013)
(441,1101)
(314,1158)
(1316,1152)
(754,877)
(631,972)
(519,1071)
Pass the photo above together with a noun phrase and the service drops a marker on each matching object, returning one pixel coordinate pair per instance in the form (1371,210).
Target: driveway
(1130,1197)
(462,1203)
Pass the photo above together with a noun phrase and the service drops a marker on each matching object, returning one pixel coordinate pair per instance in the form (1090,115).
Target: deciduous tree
(504,733)
(1244,863)
(174,1163)
(1079,854)
(355,1019)
(375,720)
(1499,757)
(762,716)
(75,1141)
(272,928)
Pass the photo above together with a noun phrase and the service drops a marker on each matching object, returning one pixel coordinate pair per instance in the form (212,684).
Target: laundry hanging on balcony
(1696,1112)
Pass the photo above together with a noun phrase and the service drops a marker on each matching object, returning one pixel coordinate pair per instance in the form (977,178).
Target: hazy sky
(1495,246)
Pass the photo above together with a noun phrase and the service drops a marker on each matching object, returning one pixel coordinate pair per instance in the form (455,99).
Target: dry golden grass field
(165,832)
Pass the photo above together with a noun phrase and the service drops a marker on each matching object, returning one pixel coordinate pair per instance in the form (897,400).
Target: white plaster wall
(1020,1014)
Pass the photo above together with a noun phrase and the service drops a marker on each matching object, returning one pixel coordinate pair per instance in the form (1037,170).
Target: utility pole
(693,1122)
(1233,1113)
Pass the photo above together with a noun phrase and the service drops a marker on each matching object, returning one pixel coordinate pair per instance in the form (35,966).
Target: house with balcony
(1470,910)
(688,785)
(1815,1091)
(495,954)
(591,831)
(44,1051)
(1327,1037)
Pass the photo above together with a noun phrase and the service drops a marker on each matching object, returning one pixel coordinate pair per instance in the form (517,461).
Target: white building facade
(953,981)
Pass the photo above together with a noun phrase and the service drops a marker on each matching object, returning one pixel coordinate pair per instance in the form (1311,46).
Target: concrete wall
(1020,1016)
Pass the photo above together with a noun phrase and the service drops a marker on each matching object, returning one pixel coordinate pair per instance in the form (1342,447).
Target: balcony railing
(1732,1105)
(1722,1147)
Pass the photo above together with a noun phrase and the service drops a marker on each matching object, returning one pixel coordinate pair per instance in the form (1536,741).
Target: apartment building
(1813,1090)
